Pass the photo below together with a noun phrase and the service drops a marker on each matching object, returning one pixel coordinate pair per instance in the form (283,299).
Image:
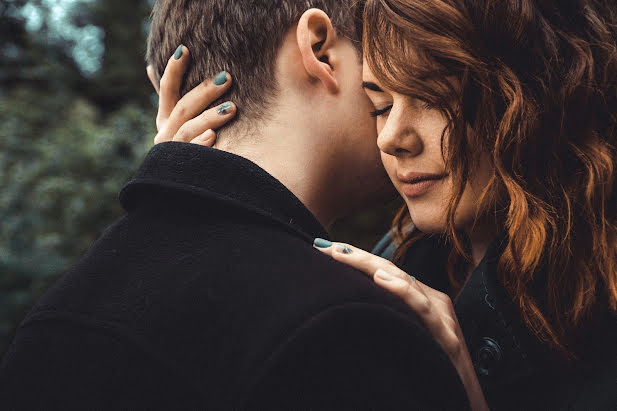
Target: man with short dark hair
(241,37)
(208,294)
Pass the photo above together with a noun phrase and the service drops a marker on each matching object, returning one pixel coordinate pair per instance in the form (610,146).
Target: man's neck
(296,161)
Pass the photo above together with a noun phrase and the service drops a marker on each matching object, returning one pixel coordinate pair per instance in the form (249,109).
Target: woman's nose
(398,137)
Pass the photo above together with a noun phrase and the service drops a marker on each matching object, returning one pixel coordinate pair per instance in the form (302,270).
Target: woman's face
(409,138)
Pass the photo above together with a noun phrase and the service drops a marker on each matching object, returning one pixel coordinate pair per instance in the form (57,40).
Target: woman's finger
(206,139)
(359,259)
(364,261)
(408,289)
(193,103)
(171,81)
(210,119)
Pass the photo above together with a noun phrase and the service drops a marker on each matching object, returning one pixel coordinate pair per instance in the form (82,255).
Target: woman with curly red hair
(529,88)
(497,125)
(525,93)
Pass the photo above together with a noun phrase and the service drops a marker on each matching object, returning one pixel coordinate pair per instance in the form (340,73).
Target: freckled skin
(409,138)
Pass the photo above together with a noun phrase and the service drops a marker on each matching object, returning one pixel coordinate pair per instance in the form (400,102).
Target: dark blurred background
(76,118)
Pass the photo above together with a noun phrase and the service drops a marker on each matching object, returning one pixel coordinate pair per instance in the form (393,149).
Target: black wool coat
(208,294)
(517,371)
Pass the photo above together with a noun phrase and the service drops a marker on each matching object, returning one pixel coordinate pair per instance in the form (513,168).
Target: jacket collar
(224,177)
(499,342)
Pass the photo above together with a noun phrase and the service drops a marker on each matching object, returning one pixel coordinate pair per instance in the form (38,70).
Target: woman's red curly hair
(536,81)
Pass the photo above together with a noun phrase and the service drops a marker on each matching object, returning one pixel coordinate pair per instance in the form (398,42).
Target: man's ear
(316,39)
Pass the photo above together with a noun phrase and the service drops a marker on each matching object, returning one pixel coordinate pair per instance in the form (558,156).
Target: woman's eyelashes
(381,111)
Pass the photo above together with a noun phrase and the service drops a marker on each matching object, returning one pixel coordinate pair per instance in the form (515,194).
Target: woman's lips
(421,187)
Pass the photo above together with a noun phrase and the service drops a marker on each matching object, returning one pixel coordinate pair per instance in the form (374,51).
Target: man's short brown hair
(239,36)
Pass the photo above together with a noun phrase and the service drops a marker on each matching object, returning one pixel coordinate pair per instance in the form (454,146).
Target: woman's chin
(429,227)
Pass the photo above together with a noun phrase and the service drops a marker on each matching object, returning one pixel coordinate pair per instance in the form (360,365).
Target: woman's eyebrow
(371,86)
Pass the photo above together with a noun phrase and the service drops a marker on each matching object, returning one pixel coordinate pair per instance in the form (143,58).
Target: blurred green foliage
(69,140)
(59,182)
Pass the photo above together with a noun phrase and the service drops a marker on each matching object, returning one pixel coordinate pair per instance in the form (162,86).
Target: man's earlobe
(316,39)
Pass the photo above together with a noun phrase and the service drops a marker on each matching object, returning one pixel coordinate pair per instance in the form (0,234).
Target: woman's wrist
(465,369)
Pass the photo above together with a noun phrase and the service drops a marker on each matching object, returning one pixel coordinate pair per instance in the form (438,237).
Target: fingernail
(321,243)
(383,275)
(178,53)
(343,249)
(220,78)
(223,108)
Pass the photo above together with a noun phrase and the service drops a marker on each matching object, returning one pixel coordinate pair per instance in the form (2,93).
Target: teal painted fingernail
(220,78)
(223,108)
(178,53)
(344,249)
(321,243)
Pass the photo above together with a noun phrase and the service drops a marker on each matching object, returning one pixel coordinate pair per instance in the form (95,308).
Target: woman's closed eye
(381,111)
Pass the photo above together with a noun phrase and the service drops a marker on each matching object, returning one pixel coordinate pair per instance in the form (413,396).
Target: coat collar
(220,176)
(500,345)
